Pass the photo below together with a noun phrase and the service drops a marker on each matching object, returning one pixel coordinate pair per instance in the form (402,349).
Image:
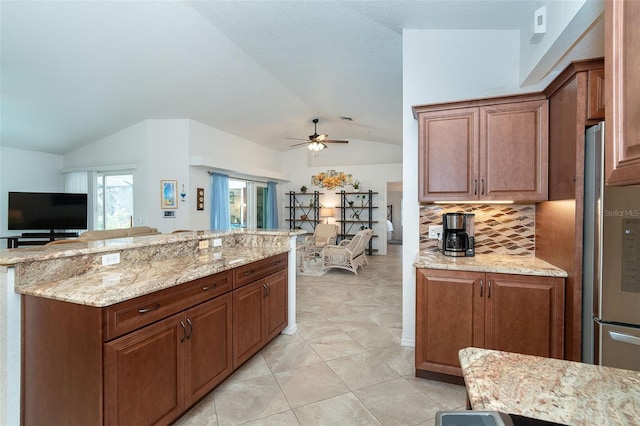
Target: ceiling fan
(317,142)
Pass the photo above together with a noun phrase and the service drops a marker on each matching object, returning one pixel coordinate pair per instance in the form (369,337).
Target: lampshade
(326,212)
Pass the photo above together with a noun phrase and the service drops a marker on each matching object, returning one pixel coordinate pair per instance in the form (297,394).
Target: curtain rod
(245,179)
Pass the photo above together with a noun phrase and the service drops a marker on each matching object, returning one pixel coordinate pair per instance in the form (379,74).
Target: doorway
(394,213)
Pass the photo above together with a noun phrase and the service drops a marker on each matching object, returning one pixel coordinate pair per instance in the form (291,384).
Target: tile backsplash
(499,229)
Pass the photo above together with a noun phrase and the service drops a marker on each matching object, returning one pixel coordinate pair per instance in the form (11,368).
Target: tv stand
(37,238)
(51,234)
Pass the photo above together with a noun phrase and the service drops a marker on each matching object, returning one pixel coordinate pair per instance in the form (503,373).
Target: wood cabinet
(575,102)
(259,314)
(622,66)
(490,149)
(153,374)
(148,359)
(458,309)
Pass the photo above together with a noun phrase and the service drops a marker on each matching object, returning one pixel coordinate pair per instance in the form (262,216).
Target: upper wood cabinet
(576,100)
(622,66)
(489,149)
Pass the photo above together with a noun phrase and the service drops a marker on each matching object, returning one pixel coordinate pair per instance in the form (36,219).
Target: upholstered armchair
(325,234)
(349,254)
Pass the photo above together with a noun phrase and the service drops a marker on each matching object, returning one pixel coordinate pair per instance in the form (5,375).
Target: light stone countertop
(522,265)
(116,283)
(550,389)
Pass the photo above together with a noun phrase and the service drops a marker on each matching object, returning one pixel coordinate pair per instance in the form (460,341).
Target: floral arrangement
(331,179)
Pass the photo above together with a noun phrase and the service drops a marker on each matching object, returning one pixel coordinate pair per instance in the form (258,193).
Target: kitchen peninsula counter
(503,264)
(73,272)
(549,389)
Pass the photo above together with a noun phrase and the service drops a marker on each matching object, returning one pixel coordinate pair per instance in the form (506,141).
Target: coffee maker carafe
(458,234)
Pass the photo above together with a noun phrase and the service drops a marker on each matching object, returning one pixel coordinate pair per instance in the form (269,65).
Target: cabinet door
(209,356)
(276,304)
(248,315)
(448,155)
(449,317)
(142,374)
(622,67)
(514,151)
(525,314)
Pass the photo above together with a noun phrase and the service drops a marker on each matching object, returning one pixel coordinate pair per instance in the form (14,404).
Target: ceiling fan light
(316,146)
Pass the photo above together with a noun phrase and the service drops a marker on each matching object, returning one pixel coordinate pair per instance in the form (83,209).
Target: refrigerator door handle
(625,338)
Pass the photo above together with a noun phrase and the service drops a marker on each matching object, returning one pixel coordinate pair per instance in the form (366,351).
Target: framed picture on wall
(168,194)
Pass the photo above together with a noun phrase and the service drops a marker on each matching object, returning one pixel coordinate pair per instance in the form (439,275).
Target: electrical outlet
(203,244)
(435,232)
(110,259)
(217,242)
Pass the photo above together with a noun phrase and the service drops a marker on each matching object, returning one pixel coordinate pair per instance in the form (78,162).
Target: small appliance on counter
(458,238)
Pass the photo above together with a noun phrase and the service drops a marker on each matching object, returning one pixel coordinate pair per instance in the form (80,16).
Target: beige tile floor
(344,365)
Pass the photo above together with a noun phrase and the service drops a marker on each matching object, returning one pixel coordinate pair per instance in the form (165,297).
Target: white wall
(167,156)
(23,170)
(126,147)
(211,149)
(301,165)
(440,66)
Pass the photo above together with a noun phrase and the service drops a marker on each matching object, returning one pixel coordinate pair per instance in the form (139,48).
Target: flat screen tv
(47,211)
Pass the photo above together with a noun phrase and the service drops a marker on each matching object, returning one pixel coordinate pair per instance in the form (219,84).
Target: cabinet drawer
(254,271)
(127,316)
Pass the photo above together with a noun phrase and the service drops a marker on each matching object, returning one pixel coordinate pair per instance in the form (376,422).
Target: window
(247,204)
(114,201)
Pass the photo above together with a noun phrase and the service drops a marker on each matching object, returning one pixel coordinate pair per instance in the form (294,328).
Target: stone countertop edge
(503,264)
(114,284)
(565,392)
(9,257)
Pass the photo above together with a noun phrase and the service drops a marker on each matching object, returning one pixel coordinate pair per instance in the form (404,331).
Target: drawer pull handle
(190,328)
(482,187)
(488,289)
(205,288)
(145,310)
(481,286)
(475,187)
(184,331)
(625,338)
(249,272)
(265,293)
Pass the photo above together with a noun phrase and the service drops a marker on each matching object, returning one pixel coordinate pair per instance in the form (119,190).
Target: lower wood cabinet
(148,359)
(259,314)
(458,309)
(154,374)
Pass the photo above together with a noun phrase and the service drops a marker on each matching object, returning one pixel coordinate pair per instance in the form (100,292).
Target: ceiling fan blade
(321,138)
(297,139)
(298,144)
(334,141)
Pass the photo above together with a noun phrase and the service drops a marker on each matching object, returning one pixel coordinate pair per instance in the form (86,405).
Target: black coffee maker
(458,234)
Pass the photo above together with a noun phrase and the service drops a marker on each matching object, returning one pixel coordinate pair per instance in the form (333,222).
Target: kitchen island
(181,277)
(554,390)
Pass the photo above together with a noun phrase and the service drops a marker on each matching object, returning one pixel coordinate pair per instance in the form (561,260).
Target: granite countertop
(550,389)
(9,257)
(522,265)
(117,283)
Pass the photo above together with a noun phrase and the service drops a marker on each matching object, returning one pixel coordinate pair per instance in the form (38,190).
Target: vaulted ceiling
(76,71)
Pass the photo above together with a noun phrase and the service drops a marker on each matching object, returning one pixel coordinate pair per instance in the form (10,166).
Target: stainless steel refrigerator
(611,275)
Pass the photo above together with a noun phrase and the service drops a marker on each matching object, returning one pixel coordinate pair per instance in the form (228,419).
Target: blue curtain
(272,206)
(220,216)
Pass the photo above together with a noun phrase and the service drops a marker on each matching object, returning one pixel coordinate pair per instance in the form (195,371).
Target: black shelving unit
(356,213)
(304,207)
